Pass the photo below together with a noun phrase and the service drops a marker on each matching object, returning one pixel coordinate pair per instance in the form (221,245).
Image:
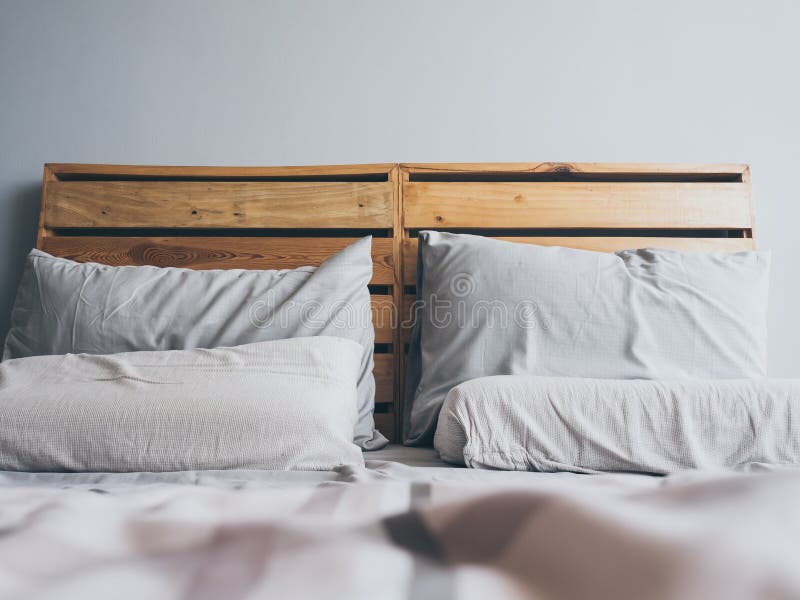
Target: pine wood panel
(384,378)
(567,167)
(576,205)
(397,293)
(383,317)
(217,204)
(85,197)
(47,177)
(217,252)
(111,171)
(598,244)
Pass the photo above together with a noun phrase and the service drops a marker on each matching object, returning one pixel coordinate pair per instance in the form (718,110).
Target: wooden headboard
(285,217)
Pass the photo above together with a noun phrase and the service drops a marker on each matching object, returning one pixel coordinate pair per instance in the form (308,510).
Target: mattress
(394,463)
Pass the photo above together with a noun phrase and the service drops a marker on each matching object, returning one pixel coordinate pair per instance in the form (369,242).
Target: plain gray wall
(300,82)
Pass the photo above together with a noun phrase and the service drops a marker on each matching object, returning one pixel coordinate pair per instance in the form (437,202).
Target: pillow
(68,307)
(500,308)
(288,404)
(586,425)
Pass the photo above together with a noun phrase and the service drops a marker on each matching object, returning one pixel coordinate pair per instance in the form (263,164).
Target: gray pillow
(491,307)
(67,307)
(286,404)
(520,423)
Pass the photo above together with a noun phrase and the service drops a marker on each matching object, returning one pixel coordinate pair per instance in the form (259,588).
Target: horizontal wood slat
(383,318)
(384,378)
(216,252)
(193,204)
(576,205)
(598,244)
(562,167)
(92,170)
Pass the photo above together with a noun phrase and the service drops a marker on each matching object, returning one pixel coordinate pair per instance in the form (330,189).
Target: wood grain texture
(383,317)
(598,244)
(576,205)
(562,167)
(47,177)
(397,292)
(94,170)
(330,197)
(216,204)
(384,378)
(217,252)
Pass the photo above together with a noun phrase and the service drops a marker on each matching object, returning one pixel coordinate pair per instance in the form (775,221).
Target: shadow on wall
(22,210)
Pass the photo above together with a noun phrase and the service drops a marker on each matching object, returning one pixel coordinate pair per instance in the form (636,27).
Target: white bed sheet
(394,463)
(408,528)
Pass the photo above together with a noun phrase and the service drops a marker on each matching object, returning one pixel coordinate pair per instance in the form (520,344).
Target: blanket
(386,531)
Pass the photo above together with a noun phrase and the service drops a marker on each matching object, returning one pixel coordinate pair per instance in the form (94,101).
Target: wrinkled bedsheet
(390,530)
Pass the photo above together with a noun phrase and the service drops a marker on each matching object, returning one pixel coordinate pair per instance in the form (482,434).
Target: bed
(406,524)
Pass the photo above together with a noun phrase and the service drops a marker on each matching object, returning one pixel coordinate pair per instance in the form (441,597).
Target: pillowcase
(500,308)
(67,307)
(288,404)
(587,425)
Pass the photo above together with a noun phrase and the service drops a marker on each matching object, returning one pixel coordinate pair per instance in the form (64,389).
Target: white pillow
(288,404)
(499,308)
(586,425)
(64,307)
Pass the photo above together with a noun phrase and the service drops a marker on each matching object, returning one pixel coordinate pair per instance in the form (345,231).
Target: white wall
(301,82)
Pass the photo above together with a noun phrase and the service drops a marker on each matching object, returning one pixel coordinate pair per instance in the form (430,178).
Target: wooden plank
(746,178)
(215,204)
(397,293)
(598,244)
(384,378)
(383,318)
(576,205)
(89,170)
(216,252)
(575,167)
(47,178)
(385,423)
